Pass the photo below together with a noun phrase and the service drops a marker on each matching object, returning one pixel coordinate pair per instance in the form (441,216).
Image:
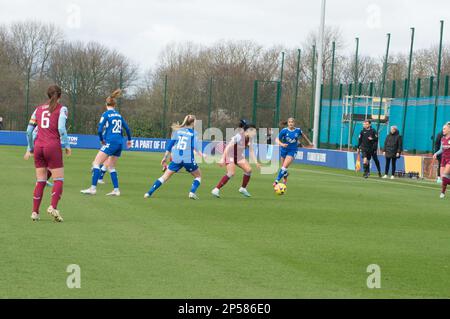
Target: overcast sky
(141,29)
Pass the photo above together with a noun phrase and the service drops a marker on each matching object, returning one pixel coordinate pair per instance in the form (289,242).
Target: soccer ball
(280,189)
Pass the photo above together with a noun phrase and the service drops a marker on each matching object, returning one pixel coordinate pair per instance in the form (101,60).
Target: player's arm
(439,153)
(101,126)
(62,121)
(198,146)
(359,141)
(279,138)
(168,152)
(252,154)
(30,141)
(306,138)
(128,131)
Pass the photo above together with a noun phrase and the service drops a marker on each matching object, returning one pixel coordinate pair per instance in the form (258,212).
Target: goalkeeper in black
(368,146)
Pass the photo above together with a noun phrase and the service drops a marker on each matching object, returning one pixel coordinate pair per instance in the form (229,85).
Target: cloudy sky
(141,29)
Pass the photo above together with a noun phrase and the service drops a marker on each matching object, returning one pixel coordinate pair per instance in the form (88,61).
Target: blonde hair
(111,100)
(188,121)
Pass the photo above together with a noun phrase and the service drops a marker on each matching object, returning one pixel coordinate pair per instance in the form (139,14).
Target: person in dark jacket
(393,148)
(368,146)
(437,147)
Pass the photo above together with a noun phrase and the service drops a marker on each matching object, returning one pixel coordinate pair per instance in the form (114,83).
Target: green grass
(315,242)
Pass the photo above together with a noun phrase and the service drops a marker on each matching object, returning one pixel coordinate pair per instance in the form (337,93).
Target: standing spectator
(368,146)
(437,148)
(393,148)
(1,123)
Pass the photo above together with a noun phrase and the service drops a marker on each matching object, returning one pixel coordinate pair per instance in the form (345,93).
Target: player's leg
(57,191)
(41,182)
(163,179)
(439,170)
(231,171)
(366,160)
(54,158)
(377,162)
(195,184)
(445,179)
(245,166)
(281,171)
(287,163)
(99,159)
(387,167)
(49,175)
(394,167)
(103,170)
(111,164)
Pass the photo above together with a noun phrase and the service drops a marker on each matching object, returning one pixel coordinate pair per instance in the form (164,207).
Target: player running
(50,118)
(234,155)
(112,140)
(288,140)
(182,148)
(445,162)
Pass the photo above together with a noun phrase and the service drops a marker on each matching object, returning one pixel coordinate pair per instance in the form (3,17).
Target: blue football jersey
(291,138)
(182,145)
(111,126)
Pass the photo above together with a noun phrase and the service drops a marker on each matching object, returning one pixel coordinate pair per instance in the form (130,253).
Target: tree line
(214,81)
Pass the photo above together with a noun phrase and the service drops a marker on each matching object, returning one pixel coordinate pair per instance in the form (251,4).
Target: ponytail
(111,100)
(54,94)
(188,121)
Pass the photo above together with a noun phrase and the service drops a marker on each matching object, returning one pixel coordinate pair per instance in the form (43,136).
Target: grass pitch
(315,242)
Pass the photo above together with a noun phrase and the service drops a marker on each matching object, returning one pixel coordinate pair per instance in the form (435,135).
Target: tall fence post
(436,101)
(163,125)
(313,80)
(280,92)
(210,88)
(356,81)
(333,49)
(255,102)
(447,80)
(383,80)
(408,83)
(297,80)
(419,88)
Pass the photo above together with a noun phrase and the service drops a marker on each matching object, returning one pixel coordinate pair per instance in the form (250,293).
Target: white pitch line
(370,179)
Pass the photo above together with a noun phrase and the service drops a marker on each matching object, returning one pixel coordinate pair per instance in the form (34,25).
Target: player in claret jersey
(50,119)
(110,132)
(234,155)
(445,163)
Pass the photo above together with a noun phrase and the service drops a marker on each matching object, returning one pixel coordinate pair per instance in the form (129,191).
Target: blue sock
(281,174)
(102,172)
(95,175)
(114,178)
(155,186)
(196,185)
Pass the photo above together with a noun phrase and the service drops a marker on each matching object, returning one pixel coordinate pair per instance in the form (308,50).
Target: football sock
(246,179)
(366,168)
(223,181)
(156,185)
(445,183)
(37,196)
(57,192)
(196,185)
(102,172)
(114,178)
(281,174)
(95,176)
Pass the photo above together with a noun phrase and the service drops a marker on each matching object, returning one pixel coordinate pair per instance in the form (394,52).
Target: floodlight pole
(439,70)
(319,77)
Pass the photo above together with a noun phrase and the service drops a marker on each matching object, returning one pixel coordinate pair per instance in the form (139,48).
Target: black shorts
(367,154)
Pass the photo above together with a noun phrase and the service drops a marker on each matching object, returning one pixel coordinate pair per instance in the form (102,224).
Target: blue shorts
(287,152)
(190,167)
(112,149)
